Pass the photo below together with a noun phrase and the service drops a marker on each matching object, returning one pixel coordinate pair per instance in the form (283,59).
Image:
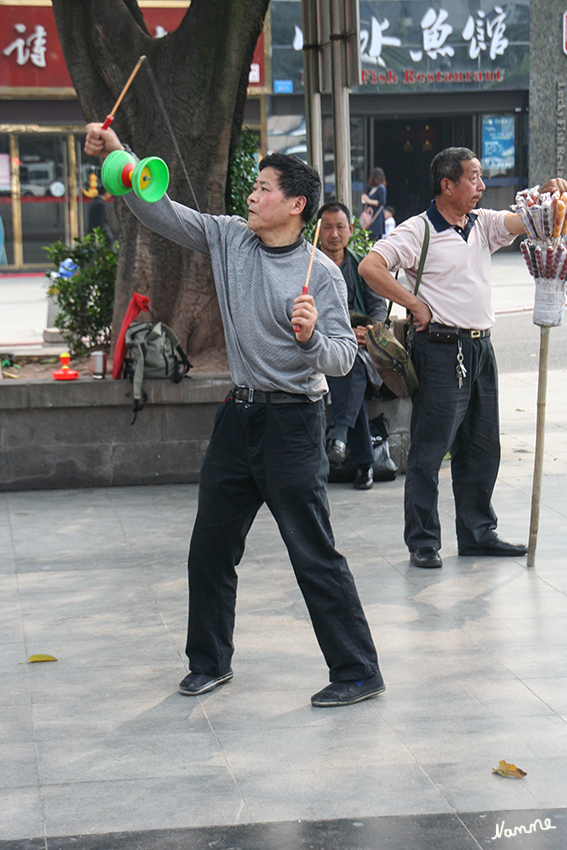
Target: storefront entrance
(45,186)
(404,148)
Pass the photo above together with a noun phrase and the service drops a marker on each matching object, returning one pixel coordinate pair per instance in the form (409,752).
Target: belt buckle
(250,395)
(475,334)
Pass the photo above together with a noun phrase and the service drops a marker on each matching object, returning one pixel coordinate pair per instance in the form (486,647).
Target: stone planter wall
(78,434)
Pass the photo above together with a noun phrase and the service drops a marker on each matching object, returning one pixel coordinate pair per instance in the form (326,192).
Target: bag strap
(376,211)
(179,369)
(138,376)
(424,249)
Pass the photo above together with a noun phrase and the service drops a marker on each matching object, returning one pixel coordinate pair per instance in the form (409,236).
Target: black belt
(259,397)
(446,333)
(474,334)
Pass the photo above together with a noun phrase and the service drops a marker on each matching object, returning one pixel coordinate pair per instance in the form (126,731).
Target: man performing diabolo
(268,439)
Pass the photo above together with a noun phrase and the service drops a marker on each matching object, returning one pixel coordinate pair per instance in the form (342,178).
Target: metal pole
(17,230)
(313,119)
(341,112)
(72,184)
(540,440)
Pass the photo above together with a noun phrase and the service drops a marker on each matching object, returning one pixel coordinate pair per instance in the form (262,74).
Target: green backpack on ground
(152,351)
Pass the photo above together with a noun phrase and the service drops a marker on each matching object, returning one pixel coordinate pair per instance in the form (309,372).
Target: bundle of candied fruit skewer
(544,217)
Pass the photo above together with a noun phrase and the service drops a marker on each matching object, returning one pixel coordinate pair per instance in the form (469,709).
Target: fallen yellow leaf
(505,769)
(41,657)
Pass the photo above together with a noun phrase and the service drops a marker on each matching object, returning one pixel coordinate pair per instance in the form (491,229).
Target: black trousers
(463,420)
(272,453)
(348,398)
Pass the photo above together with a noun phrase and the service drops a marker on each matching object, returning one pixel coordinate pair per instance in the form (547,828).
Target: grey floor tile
(21,813)
(121,582)
(471,786)
(404,666)
(15,688)
(139,646)
(551,691)
(14,654)
(16,724)
(118,714)
(415,702)
(462,739)
(532,662)
(134,684)
(547,780)
(536,631)
(340,793)
(119,756)
(94,807)
(18,765)
(511,698)
(334,742)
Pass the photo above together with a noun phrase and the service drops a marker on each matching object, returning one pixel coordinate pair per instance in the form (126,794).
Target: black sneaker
(336,451)
(199,683)
(347,693)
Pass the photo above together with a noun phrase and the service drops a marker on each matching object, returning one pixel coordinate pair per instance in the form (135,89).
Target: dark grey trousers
(463,420)
(272,453)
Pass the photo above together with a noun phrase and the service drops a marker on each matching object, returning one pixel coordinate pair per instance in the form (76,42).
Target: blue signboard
(498,142)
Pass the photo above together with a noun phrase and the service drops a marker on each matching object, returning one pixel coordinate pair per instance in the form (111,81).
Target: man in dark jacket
(348,393)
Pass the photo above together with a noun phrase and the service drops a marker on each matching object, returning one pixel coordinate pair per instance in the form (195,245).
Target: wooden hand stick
(110,117)
(305,289)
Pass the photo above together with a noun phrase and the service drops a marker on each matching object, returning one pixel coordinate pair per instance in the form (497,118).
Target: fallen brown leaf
(505,769)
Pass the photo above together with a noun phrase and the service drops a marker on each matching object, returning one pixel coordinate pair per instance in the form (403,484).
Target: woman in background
(375,200)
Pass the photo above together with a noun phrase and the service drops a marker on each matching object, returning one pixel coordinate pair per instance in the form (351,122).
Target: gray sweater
(256,287)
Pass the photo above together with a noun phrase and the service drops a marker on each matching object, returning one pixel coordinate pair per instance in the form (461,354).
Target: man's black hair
(334,207)
(448,164)
(296,179)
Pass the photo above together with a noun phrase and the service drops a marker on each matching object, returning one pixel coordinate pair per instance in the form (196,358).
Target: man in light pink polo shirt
(456,405)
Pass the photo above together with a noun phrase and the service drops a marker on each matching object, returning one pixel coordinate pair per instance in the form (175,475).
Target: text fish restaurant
(434,74)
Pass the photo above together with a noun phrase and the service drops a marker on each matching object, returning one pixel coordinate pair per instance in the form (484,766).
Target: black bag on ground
(383,466)
(152,351)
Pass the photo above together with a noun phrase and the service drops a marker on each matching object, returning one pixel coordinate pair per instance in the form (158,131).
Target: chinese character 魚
(435,34)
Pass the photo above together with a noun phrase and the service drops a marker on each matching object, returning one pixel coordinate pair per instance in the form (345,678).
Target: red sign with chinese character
(31,54)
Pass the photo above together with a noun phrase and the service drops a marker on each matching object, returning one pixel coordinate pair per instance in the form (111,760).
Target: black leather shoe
(363,478)
(199,683)
(336,451)
(428,558)
(495,547)
(347,693)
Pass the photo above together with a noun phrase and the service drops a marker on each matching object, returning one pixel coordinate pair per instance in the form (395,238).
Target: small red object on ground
(65,373)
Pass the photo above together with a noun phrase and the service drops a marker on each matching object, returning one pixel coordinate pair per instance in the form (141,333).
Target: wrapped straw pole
(545,220)
(540,441)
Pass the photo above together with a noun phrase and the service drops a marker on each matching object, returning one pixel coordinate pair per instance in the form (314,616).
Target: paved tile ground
(473,656)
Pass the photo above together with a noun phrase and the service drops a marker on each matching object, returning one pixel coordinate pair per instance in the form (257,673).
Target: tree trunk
(201,71)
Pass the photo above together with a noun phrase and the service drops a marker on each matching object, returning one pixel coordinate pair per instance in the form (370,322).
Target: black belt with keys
(445,334)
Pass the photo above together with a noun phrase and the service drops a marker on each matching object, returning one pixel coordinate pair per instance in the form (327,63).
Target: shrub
(242,172)
(86,299)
